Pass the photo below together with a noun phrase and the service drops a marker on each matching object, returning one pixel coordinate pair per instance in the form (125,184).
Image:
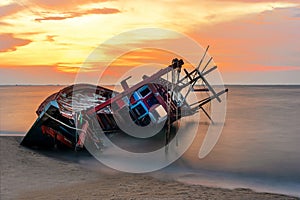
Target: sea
(259,147)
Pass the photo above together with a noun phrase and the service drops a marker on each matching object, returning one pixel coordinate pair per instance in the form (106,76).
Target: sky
(50,41)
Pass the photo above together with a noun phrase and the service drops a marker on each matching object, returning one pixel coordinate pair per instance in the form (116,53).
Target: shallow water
(259,147)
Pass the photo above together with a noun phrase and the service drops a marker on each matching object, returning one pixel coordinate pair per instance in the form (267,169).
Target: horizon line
(230,84)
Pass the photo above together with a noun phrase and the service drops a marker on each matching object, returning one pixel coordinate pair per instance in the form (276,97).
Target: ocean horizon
(258,148)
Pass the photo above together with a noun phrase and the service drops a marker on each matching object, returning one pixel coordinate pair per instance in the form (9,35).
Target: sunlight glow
(38,33)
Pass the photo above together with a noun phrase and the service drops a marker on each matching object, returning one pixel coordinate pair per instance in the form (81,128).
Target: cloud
(10,9)
(34,74)
(60,5)
(68,15)
(296,12)
(50,38)
(30,33)
(63,4)
(4,24)
(261,1)
(10,43)
(269,38)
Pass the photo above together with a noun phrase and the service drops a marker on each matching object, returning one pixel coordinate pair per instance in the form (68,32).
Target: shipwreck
(67,118)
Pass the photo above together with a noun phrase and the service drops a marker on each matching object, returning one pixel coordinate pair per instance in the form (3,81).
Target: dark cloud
(68,15)
(8,42)
(59,5)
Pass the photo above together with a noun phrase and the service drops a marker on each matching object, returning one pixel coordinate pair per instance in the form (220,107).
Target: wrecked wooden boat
(76,114)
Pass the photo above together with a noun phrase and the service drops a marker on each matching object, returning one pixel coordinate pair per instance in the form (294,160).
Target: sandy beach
(37,174)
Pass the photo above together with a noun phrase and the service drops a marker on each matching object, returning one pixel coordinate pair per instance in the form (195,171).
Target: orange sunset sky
(46,41)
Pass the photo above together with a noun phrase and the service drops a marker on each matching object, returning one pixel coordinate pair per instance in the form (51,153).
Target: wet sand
(32,174)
